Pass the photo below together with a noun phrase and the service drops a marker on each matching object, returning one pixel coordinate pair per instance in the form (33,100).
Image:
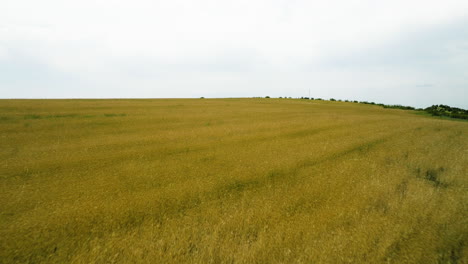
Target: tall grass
(229,181)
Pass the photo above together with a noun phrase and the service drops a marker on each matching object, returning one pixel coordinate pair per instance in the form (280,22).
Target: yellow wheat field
(230,181)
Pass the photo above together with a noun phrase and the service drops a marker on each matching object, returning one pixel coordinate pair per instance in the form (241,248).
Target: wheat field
(230,181)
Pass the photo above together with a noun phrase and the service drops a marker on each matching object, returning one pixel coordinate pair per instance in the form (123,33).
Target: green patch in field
(32,117)
(275,174)
(62,116)
(239,186)
(452,253)
(431,176)
(54,116)
(36,116)
(114,115)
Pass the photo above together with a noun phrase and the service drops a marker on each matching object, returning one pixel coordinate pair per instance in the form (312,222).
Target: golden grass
(229,181)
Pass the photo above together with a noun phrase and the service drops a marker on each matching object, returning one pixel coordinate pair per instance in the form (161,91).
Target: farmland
(230,181)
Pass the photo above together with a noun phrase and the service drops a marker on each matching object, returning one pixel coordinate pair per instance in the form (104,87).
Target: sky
(407,52)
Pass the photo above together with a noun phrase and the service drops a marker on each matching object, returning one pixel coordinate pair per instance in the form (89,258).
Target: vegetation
(435,110)
(229,181)
(399,107)
(445,110)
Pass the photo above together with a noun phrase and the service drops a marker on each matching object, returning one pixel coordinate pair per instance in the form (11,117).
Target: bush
(365,102)
(398,107)
(445,110)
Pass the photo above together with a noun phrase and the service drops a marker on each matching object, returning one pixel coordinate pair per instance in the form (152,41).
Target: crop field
(230,181)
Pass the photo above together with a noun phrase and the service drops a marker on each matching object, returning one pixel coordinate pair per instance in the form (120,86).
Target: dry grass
(229,181)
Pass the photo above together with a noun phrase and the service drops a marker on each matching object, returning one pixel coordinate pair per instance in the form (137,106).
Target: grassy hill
(230,181)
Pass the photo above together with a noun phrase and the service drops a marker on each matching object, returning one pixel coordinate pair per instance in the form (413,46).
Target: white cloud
(207,43)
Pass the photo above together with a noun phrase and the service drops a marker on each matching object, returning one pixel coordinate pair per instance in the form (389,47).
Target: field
(230,181)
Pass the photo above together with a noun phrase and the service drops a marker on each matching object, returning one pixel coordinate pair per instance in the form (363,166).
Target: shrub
(445,110)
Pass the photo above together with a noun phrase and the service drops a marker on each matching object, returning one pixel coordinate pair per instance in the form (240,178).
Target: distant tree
(445,110)
(267,96)
(331,99)
(397,107)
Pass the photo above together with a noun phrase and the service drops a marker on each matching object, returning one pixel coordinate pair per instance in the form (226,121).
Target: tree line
(434,110)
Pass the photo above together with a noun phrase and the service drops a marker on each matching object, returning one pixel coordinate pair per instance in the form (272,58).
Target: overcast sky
(397,52)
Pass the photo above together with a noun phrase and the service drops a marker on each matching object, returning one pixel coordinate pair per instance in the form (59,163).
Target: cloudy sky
(407,52)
